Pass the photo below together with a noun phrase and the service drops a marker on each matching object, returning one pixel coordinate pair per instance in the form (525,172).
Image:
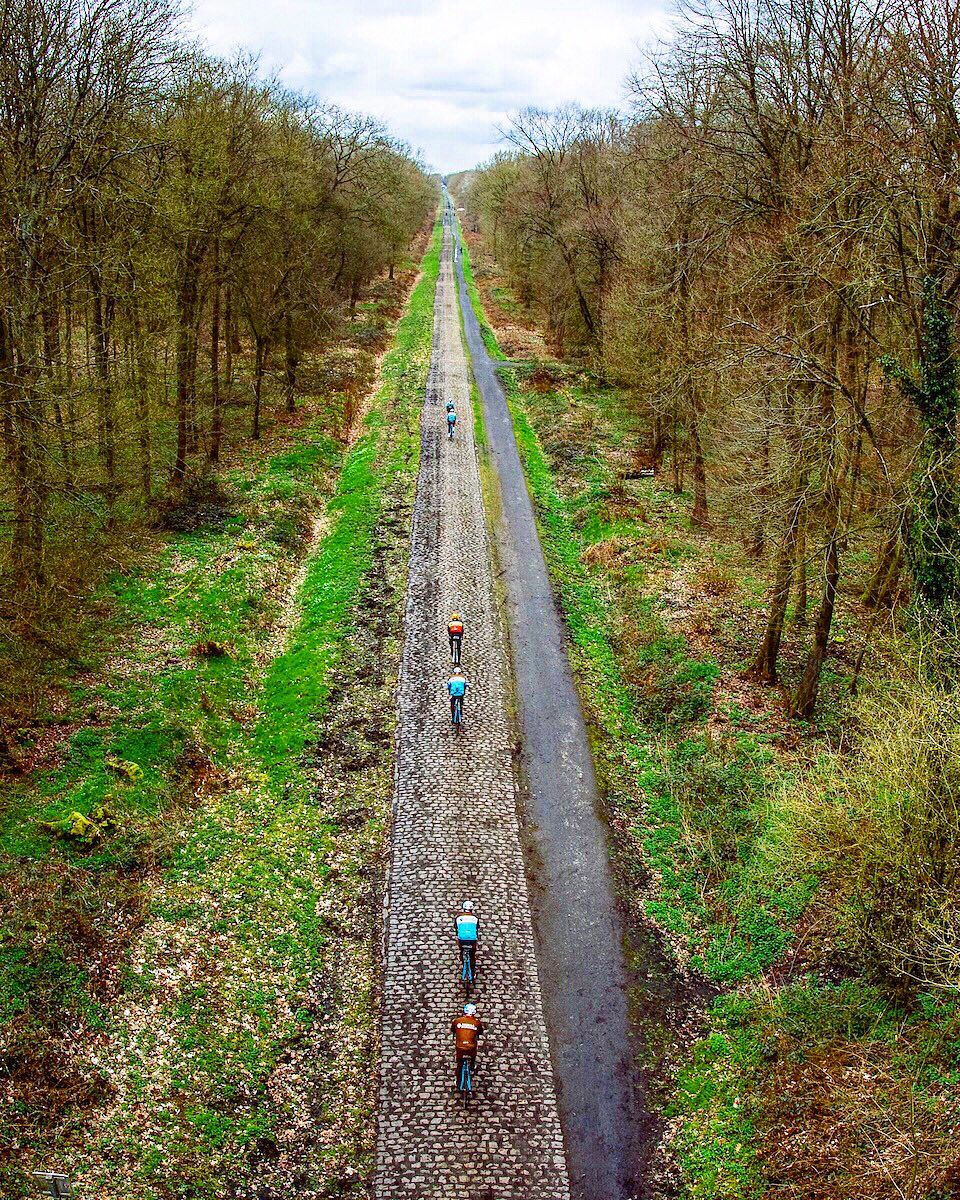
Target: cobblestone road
(456,836)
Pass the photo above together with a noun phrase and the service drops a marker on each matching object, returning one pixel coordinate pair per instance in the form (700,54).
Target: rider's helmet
(458,670)
(454,616)
(469,1010)
(467,906)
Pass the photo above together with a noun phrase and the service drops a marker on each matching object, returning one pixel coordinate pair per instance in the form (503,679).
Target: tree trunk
(764,666)
(103,310)
(141,391)
(700,515)
(805,700)
(675,458)
(339,275)
(186,310)
(800,609)
(229,339)
(16,407)
(39,487)
(216,413)
(260,356)
(883,582)
(193,421)
(657,441)
(759,540)
(290,362)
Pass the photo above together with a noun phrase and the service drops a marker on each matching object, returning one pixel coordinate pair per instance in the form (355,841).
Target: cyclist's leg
(453,710)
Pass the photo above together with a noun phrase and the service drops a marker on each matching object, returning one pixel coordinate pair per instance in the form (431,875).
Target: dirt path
(455,835)
(608,1129)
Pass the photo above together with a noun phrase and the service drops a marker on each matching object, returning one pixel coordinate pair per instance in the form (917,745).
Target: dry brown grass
(715,581)
(848,1122)
(607,554)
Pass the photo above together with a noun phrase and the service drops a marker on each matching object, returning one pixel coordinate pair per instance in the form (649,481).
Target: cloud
(442,75)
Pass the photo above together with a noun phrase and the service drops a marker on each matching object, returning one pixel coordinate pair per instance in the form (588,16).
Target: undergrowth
(217,820)
(700,776)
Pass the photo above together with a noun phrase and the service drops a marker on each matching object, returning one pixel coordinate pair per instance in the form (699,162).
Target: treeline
(764,256)
(168,221)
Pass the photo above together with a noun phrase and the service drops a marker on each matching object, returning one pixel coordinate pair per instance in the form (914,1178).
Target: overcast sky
(442,75)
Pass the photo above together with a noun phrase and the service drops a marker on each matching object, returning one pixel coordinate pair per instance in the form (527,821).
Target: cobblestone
(455,836)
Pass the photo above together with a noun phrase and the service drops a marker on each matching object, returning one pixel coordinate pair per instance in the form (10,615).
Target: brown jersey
(466,1032)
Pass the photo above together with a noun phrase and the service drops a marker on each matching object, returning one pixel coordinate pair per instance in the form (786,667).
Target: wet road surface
(577,925)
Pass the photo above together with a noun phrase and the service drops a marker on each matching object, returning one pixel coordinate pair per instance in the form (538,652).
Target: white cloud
(442,75)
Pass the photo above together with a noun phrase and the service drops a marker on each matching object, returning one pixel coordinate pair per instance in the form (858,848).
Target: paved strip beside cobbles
(456,836)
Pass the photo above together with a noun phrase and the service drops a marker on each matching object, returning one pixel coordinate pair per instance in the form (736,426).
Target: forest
(724,380)
(730,312)
(179,236)
(766,258)
(201,279)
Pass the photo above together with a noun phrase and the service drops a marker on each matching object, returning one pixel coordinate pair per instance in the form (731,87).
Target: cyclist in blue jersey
(468,927)
(451,422)
(457,689)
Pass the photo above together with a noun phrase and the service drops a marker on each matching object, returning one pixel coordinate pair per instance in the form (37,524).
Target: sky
(443,76)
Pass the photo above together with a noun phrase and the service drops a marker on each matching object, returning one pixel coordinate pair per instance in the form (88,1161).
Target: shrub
(882,829)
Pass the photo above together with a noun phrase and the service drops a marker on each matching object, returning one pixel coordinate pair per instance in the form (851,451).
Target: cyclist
(455,634)
(468,930)
(457,687)
(450,406)
(466,1030)
(451,422)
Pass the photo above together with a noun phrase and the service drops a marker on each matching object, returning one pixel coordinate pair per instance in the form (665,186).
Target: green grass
(646,743)
(703,812)
(489,337)
(265,892)
(283,880)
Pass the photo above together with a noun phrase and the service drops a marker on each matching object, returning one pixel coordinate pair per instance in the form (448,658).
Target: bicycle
(457,713)
(468,970)
(465,1080)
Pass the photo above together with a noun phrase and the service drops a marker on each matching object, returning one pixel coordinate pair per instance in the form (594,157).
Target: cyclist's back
(466,1030)
(468,927)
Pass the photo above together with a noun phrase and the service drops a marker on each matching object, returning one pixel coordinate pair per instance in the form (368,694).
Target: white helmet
(469,1010)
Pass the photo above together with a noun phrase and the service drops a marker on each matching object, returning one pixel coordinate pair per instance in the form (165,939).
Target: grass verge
(698,769)
(235,1039)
